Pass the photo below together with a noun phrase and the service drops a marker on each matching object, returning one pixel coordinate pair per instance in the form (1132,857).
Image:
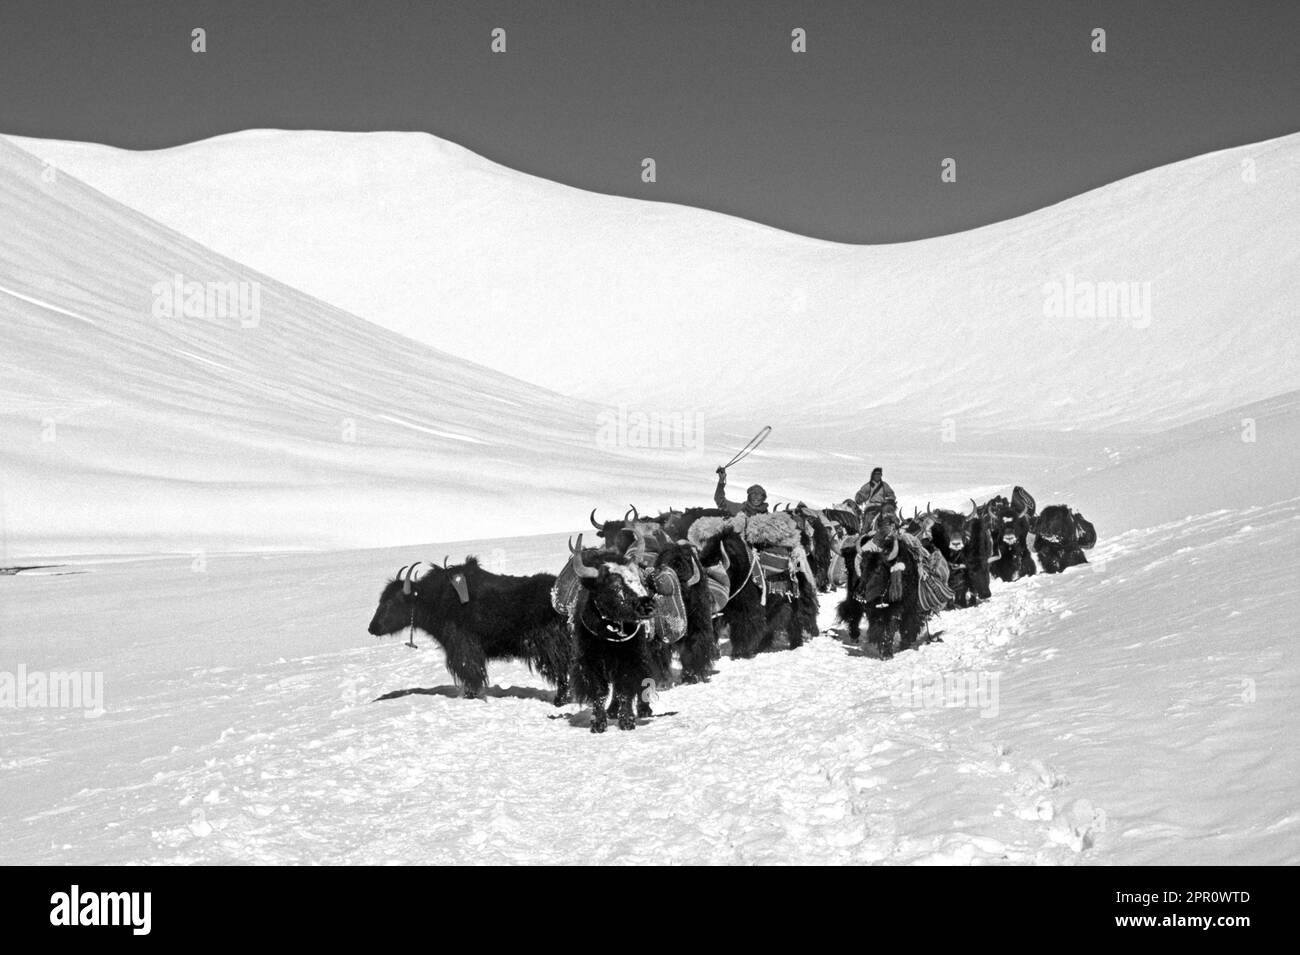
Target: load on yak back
(755,498)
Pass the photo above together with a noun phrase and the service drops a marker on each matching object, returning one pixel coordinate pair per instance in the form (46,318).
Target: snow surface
(1144,714)
(559,287)
(1144,702)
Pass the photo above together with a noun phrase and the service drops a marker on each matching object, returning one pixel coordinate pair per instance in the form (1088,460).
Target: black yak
(947,532)
(884,579)
(845,516)
(977,554)
(698,647)
(477,616)
(760,606)
(817,537)
(1010,527)
(619,535)
(1060,536)
(611,627)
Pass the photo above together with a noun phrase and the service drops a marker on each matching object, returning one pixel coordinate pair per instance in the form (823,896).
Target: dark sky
(843,142)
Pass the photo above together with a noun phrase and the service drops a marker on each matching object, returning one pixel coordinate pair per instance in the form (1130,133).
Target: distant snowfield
(219,502)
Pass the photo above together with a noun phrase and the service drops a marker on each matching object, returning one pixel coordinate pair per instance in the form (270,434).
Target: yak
(611,632)
(698,648)
(948,532)
(678,524)
(755,614)
(846,516)
(621,534)
(1060,537)
(477,616)
(883,587)
(632,537)
(816,536)
(1010,528)
(978,553)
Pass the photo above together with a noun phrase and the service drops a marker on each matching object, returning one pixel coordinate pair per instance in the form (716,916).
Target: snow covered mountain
(1149,302)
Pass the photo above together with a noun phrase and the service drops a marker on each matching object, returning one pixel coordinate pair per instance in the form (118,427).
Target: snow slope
(122,430)
(430,240)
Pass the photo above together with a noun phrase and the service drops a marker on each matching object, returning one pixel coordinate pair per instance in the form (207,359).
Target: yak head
(1056,525)
(609,531)
(398,599)
(614,583)
(683,560)
(1008,524)
(408,597)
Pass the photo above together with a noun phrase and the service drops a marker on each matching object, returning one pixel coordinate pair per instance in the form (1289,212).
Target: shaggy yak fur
(1057,538)
(977,555)
(956,564)
(678,526)
(1011,532)
(610,627)
(948,532)
(846,518)
(816,537)
(699,647)
(892,622)
(751,626)
(506,618)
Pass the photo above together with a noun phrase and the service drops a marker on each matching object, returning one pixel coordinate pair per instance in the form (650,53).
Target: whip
(749,448)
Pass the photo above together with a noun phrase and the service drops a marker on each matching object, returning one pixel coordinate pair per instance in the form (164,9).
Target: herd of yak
(680,583)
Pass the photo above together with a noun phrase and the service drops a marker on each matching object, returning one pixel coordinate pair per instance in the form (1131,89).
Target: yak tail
(846,610)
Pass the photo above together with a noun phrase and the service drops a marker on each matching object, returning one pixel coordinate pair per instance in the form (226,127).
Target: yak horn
(579,568)
(631,509)
(406,581)
(726,561)
(445,558)
(594,523)
(696,572)
(974,508)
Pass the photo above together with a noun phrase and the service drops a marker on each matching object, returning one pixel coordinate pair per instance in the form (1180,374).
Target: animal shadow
(454,692)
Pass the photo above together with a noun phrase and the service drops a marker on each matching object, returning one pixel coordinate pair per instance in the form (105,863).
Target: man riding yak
(874,497)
